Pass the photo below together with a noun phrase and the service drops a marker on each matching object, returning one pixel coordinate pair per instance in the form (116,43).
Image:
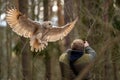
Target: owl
(38,33)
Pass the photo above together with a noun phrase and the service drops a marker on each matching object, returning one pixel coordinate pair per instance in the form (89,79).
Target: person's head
(77,44)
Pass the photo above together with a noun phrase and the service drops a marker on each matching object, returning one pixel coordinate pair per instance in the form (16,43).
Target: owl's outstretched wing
(20,24)
(58,33)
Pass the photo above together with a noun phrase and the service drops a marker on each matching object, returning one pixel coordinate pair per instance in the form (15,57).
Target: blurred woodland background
(99,23)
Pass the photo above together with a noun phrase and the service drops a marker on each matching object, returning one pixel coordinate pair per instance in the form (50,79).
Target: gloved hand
(86,44)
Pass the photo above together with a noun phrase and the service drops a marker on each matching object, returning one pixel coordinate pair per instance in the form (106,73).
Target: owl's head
(47,24)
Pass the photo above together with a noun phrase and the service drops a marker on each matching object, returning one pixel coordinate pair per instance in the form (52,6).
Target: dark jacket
(80,60)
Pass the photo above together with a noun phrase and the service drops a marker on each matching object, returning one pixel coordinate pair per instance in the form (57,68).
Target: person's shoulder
(84,59)
(86,56)
(63,57)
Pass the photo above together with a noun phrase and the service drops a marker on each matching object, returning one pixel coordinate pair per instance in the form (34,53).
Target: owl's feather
(58,33)
(20,24)
(39,34)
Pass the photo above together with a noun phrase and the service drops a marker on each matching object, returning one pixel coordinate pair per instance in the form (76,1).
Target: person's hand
(86,44)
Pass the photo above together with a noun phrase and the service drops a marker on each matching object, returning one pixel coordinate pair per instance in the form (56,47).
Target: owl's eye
(49,24)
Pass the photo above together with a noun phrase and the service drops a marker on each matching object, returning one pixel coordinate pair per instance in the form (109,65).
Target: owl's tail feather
(37,45)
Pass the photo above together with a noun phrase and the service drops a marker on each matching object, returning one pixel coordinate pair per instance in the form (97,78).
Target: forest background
(99,24)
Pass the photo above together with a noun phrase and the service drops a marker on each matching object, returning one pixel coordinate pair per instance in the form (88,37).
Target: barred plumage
(39,34)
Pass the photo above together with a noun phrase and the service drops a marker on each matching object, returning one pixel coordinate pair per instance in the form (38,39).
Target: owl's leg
(34,43)
(32,49)
(37,43)
(45,43)
(39,36)
(36,49)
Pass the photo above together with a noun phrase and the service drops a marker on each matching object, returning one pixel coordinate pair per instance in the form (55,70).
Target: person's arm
(65,71)
(89,50)
(65,68)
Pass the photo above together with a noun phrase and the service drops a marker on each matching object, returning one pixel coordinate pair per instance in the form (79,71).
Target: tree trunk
(106,54)
(46,9)
(60,21)
(9,51)
(60,13)
(47,55)
(25,50)
(115,71)
(3,56)
(38,68)
(68,17)
(54,61)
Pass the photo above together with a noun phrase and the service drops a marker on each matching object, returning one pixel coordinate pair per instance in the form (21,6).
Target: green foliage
(17,47)
(115,55)
(118,3)
(50,49)
(116,22)
(102,35)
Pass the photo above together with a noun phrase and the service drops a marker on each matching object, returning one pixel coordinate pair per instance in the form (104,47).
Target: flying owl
(39,33)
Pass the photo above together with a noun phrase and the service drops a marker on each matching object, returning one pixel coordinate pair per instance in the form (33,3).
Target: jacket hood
(74,54)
